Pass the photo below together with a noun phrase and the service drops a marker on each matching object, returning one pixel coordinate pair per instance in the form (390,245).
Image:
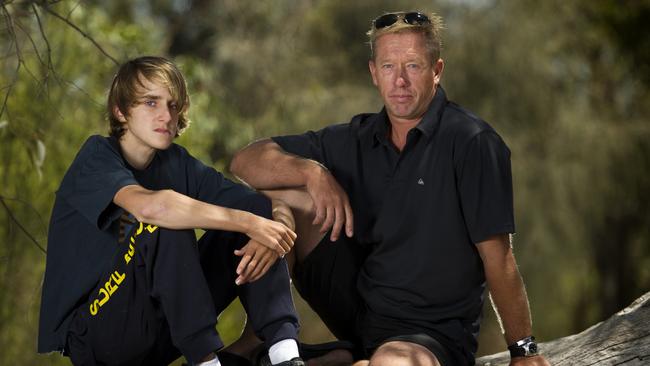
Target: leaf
(39,156)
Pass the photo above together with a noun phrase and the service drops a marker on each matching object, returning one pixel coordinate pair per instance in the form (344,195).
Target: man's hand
(333,209)
(256,261)
(274,235)
(538,360)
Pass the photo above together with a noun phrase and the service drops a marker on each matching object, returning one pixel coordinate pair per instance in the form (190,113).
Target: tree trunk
(623,339)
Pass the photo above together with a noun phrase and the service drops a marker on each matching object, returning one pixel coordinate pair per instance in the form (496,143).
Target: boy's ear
(119,115)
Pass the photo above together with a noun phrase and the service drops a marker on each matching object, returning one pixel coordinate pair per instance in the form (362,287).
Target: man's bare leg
(400,353)
(246,344)
(303,212)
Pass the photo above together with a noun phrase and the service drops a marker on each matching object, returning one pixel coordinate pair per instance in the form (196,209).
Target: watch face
(523,348)
(532,348)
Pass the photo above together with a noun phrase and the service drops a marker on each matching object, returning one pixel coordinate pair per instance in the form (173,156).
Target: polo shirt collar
(380,126)
(432,117)
(428,124)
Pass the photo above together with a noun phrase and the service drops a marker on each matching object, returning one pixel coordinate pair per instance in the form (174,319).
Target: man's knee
(302,207)
(398,353)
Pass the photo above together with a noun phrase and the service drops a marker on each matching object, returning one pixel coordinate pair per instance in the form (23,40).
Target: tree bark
(623,339)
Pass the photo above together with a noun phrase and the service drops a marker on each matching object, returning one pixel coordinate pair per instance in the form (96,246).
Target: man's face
(404,75)
(152,122)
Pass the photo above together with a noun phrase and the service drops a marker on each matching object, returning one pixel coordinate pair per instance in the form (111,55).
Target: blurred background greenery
(566,83)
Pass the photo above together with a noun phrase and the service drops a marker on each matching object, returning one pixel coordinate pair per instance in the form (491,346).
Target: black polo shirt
(420,212)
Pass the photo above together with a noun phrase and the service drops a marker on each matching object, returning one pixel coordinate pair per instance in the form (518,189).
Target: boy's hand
(256,261)
(274,235)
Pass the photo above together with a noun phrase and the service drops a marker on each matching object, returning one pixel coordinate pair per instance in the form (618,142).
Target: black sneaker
(296,361)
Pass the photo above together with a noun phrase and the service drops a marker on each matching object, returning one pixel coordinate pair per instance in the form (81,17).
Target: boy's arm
(169,209)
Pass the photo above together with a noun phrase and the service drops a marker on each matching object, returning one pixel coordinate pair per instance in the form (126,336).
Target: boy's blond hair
(127,88)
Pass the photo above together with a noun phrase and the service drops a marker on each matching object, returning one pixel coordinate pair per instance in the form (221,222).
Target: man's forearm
(264,165)
(509,297)
(506,287)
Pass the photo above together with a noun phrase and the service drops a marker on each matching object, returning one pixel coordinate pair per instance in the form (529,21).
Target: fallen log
(623,339)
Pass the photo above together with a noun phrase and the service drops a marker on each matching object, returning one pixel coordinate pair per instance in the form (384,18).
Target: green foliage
(565,83)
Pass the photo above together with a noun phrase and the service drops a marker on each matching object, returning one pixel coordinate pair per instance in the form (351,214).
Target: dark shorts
(327,280)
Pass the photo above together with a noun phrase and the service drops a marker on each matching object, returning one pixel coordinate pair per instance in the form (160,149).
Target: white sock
(212,362)
(284,350)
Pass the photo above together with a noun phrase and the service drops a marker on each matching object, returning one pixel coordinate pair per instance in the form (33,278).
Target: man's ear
(373,70)
(118,114)
(438,67)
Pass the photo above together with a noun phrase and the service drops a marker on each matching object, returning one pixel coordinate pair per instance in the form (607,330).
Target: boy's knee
(154,236)
(180,236)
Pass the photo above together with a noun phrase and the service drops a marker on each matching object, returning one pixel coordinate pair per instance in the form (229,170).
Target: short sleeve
(93,179)
(485,187)
(309,145)
(212,187)
(327,146)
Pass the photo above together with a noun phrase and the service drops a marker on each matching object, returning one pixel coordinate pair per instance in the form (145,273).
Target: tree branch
(49,56)
(15,220)
(11,30)
(74,26)
(31,40)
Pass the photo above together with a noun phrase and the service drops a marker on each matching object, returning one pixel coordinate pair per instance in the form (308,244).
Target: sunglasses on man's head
(413,18)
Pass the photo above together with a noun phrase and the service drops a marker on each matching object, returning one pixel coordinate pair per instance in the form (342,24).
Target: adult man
(155,293)
(427,221)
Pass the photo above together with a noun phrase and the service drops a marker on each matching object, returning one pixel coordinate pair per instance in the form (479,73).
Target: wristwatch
(523,348)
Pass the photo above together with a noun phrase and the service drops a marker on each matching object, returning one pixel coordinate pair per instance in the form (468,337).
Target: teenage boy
(149,296)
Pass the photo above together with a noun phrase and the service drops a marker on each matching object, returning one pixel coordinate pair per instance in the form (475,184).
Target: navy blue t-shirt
(84,227)
(420,213)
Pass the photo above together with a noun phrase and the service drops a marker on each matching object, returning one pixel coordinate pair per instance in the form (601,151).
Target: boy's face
(152,122)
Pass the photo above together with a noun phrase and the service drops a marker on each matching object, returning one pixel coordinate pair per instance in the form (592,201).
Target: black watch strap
(525,347)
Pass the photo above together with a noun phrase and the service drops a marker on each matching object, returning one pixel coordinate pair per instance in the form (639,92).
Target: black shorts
(327,280)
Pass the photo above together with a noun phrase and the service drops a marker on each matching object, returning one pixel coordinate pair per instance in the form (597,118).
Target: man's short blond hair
(431,30)
(127,88)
